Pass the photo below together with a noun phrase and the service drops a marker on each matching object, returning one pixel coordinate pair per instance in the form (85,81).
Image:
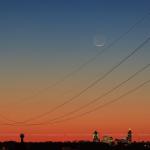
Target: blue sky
(54,32)
(52,37)
(45,24)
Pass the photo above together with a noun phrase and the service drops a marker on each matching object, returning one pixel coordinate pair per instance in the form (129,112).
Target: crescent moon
(99,45)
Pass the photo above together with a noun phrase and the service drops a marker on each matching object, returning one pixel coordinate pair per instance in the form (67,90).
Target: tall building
(96,137)
(129,136)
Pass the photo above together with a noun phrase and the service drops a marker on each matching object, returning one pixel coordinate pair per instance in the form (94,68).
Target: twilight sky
(42,41)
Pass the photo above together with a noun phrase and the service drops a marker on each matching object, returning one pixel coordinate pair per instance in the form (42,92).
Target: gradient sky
(41,41)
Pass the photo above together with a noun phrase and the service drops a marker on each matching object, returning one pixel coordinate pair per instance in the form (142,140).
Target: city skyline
(71,67)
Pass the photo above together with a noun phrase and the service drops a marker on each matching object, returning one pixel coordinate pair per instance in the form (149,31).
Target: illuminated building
(107,139)
(96,137)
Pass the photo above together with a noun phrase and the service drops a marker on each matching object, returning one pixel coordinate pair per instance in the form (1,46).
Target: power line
(7,119)
(82,66)
(103,95)
(90,111)
(102,106)
(91,85)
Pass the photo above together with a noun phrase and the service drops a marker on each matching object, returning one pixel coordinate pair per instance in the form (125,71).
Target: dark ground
(73,146)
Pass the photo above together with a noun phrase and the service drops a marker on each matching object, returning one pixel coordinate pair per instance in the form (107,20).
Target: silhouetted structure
(22,138)
(129,136)
(96,137)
